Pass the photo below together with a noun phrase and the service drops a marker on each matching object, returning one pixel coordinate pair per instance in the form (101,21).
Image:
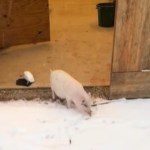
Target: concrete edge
(44,93)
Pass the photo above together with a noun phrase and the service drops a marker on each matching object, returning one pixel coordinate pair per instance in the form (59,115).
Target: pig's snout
(88,111)
(85,106)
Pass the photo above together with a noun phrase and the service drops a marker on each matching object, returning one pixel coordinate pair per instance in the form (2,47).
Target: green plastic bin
(106,13)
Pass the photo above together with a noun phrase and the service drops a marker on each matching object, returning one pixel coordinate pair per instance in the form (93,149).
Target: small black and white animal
(26,80)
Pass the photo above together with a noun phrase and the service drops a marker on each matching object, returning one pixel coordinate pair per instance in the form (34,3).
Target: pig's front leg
(53,94)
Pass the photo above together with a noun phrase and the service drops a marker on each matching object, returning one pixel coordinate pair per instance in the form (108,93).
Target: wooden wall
(131,56)
(132,36)
(23,21)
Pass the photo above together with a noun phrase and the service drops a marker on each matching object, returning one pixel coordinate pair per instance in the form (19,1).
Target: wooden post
(131,50)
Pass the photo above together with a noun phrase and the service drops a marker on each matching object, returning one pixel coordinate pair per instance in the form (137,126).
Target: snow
(34,125)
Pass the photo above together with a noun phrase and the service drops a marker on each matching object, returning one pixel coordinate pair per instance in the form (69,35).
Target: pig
(66,87)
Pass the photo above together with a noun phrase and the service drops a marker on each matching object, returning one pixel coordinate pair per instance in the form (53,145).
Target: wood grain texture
(23,22)
(1,40)
(132,36)
(130,85)
(145,44)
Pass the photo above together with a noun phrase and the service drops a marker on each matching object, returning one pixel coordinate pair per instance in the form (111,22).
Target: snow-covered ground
(34,125)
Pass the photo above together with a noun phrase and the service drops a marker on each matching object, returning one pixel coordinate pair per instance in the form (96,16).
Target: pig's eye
(85,105)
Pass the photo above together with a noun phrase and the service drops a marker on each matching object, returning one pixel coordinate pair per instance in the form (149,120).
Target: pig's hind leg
(53,94)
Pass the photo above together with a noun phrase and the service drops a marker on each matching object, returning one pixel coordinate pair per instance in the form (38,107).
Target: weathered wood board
(132,36)
(131,52)
(130,85)
(23,21)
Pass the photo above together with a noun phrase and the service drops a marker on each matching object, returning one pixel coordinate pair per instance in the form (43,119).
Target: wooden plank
(24,21)
(145,44)
(132,36)
(28,21)
(14,12)
(130,85)
(1,40)
(26,37)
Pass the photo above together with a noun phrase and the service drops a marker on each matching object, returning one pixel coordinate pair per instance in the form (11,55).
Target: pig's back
(63,84)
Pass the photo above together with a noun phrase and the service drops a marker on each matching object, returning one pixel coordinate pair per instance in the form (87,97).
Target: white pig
(66,87)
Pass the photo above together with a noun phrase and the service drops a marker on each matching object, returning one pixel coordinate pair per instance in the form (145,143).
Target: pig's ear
(84,103)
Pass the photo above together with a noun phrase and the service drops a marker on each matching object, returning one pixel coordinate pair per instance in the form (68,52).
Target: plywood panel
(24,21)
(1,40)
(132,36)
(130,85)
